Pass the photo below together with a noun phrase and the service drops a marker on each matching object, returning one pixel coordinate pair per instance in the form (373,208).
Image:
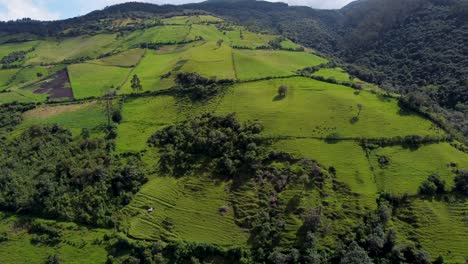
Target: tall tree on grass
(136,84)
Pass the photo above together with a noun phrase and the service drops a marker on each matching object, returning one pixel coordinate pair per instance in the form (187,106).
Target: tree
(219,43)
(355,255)
(117,116)
(282,90)
(135,83)
(461,182)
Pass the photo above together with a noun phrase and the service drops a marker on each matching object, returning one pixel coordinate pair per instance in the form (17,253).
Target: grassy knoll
(184,209)
(77,243)
(74,117)
(124,59)
(210,60)
(89,80)
(141,118)
(52,51)
(317,109)
(408,168)
(439,226)
(335,73)
(254,64)
(347,157)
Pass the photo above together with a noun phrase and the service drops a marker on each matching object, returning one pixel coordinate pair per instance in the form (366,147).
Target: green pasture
(207,32)
(184,209)
(127,59)
(53,50)
(142,117)
(157,34)
(244,38)
(210,60)
(335,73)
(255,64)
(89,80)
(320,110)
(18,96)
(347,157)
(288,44)
(150,70)
(90,115)
(408,168)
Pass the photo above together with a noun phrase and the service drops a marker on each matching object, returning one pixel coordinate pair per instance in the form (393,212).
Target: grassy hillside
(303,167)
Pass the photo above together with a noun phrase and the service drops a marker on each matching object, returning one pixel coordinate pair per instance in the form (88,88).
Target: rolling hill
(186,137)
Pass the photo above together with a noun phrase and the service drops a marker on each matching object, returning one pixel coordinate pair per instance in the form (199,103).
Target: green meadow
(90,115)
(54,51)
(157,34)
(317,109)
(255,64)
(408,168)
(128,58)
(91,80)
(184,20)
(335,73)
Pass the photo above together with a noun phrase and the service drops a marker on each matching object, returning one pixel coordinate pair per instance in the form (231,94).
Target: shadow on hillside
(278,98)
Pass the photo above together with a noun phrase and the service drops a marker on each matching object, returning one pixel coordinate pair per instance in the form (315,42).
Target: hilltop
(171,134)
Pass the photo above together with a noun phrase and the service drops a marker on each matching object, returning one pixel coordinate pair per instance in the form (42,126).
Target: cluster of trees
(11,115)
(48,172)
(13,57)
(198,87)
(221,143)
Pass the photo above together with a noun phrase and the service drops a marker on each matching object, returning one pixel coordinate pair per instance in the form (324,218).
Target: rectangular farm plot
(318,109)
(158,34)
(91,80)
(151,70)
(211,61)
(8,48)
(55,86)
(186,209)
(417,165)
(75,117)
(256,64)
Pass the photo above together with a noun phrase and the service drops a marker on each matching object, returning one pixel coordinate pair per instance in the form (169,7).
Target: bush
(432,186)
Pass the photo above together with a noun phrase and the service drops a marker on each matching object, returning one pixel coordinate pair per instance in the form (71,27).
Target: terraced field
(185,209)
